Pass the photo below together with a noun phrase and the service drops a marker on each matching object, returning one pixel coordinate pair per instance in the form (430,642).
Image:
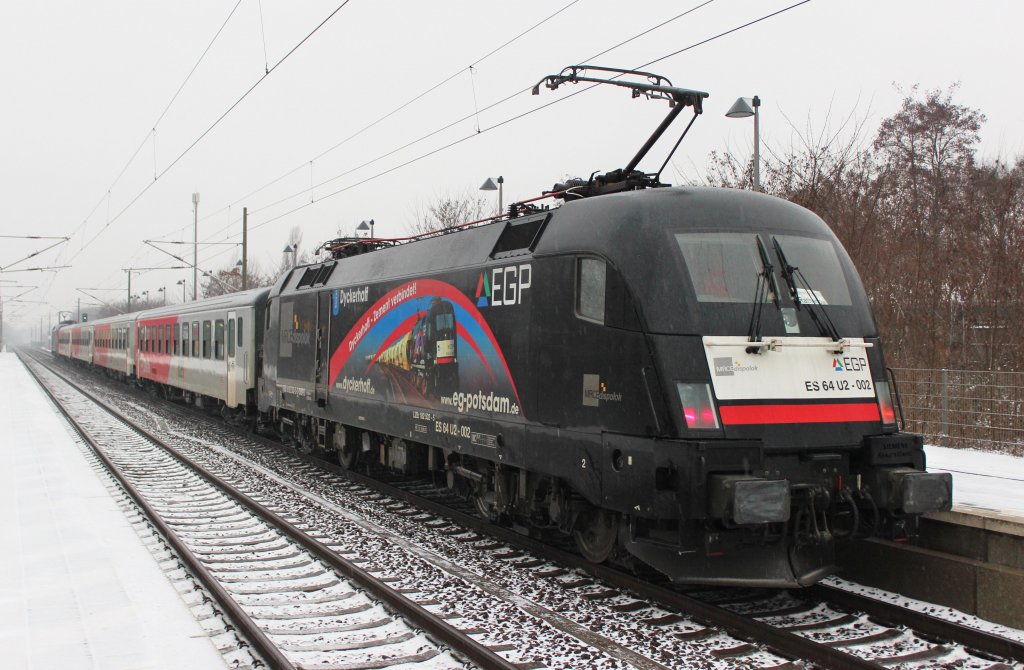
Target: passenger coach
(203,350)
(74,341)
(112,346)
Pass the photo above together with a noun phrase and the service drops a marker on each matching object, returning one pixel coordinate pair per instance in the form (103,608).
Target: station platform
(78,589)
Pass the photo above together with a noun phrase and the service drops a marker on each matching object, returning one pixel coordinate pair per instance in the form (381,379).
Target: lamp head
(742,108)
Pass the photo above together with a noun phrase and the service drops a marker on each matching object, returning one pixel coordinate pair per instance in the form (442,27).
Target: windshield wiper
(766,288)
(815,308)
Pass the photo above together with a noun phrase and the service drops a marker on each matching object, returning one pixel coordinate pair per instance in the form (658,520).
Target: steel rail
(435,627)
(920,622)
(777,640)
(267,650)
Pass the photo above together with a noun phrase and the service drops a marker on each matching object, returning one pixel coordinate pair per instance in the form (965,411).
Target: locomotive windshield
(724,267)
(818,263)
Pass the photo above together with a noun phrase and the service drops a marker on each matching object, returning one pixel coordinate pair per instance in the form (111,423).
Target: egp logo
(849,364)
(503,286)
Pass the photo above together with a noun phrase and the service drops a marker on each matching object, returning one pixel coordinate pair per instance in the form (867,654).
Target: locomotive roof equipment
(656,87)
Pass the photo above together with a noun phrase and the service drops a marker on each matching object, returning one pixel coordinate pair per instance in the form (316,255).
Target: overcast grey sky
(85,83)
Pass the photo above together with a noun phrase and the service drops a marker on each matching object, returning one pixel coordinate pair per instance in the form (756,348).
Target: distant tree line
(936,233)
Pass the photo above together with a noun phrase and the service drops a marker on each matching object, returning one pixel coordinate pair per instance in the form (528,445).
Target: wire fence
(965,408)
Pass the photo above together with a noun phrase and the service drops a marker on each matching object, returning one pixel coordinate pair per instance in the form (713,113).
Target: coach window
(590,288)
(195,339)
(207,339)
(184,340)
(231,338)
(177,338)
(240,331)
(218,340)
(161,339)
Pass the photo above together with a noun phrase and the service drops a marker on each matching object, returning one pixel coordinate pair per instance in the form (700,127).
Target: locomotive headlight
(698,406)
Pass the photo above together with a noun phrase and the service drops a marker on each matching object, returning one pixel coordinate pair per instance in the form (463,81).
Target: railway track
(629,622)
(297,602)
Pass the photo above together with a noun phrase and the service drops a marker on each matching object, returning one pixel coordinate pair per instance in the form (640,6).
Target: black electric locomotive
(690,377)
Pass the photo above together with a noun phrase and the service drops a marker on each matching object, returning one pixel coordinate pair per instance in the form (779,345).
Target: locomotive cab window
(723,267)
(823,281)
(591,275)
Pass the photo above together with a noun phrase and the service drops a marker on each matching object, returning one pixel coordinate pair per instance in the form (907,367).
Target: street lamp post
(365,226)
(741,109)
(294,251)
(489,186)
(182,283)
(163,289)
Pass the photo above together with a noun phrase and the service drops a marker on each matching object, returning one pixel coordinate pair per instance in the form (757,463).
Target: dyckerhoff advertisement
(424,343)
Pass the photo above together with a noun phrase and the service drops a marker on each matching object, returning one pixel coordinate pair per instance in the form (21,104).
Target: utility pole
(129,289)
(245,248)
(195,246)
(79,319)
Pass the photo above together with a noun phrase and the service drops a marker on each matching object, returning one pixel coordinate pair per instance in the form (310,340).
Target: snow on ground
(77,587)
(982,480)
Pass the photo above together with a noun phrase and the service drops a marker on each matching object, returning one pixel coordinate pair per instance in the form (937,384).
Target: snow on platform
(77,587)
(984,482)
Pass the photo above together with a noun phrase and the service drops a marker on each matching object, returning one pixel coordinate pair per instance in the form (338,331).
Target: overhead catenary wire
(443,128)
(206,132)
(430,89)
(492,127)
(152,132)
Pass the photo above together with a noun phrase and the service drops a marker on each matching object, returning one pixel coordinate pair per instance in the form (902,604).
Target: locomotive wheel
(347,450)
(596,533)
(484,501)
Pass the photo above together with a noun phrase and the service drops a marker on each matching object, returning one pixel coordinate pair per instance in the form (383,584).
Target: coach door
(232,351)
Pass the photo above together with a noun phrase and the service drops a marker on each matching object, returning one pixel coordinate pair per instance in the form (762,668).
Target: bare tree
(936,236)
(449,210)
(229,280)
